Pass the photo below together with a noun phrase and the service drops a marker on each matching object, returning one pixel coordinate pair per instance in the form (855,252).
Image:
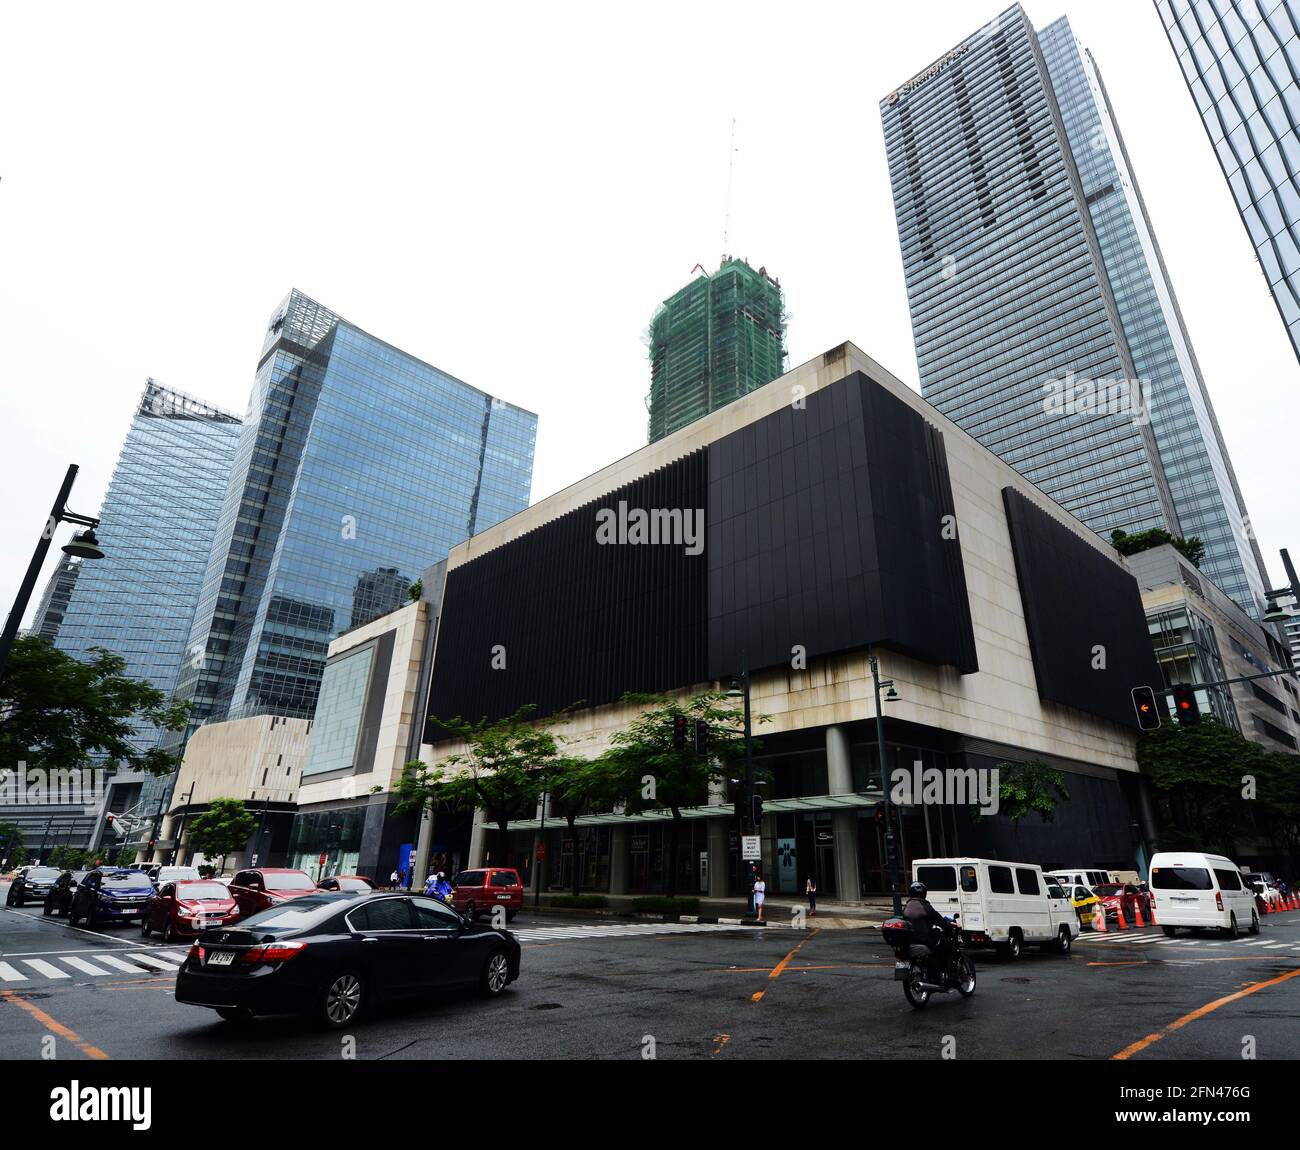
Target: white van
(1002,904)
(1199,890)
(1077,876)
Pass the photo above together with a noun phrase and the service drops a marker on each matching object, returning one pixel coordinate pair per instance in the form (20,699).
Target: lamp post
(891,846)
(83,545)
(736,691)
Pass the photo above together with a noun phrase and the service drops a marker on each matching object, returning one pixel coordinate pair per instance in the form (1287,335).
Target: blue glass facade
(1241,60)
(359,466)
(1192,453)
(157,523)
(1005,282)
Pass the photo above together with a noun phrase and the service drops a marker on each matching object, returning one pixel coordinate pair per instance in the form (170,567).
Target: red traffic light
(1185,705)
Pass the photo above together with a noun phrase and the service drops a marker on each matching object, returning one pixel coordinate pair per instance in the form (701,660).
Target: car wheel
(1010,950)
(471,912)
(144,927)
(1169,931)
(341,1002)
(47,910)
(1254,922)
(239,1015)
(1064,941)
(168,932)
(1232,930)
(496,974)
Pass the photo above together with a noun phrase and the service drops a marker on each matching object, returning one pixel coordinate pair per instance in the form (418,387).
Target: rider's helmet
(918,890)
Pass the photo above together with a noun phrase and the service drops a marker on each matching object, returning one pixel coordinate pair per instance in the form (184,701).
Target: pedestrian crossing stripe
(94,965)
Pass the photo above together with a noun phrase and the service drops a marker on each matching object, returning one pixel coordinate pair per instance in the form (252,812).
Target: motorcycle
(925,974)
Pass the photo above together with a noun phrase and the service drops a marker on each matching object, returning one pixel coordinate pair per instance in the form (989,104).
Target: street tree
(1028,788)
(222,828)
(57,712)
(646,771)
(502,770)
(576,786)
(11,842)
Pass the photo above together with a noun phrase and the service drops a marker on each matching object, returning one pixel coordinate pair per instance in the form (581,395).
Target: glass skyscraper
(1241,60)
(55,598)
(157,524)
(1043,319)
(358,467)
(1193,456)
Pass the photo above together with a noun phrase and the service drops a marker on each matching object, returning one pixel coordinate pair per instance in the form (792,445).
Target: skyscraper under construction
(718,338)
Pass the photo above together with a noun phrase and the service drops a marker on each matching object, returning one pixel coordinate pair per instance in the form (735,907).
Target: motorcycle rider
(929,928)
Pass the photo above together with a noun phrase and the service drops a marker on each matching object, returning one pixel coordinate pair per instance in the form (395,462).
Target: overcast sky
(507,191)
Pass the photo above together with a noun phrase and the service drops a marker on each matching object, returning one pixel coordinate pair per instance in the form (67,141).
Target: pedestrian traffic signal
(1144,703)
(1186,707)
(679,732)
(758,812)
(701,737)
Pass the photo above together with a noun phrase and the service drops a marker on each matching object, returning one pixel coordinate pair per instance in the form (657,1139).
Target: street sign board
(751,848)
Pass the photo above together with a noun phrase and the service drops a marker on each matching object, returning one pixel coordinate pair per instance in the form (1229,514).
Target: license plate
(503,898)
(221,958)
(902,971)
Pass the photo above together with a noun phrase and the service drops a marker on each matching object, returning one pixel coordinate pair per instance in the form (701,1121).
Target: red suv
(255,890)
(186,909)
(477,891)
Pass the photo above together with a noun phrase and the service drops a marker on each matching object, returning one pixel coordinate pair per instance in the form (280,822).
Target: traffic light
(1186,707)
(679,732)
(739,808)
(701,737)
(1144,703)
(758,812)
(880,814)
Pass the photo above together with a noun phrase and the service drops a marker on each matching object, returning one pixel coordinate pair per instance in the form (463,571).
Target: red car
(1116,896)
(187,908)
(349,883)
(265,887)
(478,891)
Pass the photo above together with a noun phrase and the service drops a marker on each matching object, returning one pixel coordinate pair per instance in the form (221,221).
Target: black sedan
(59,900)
(31,885)
(331,955)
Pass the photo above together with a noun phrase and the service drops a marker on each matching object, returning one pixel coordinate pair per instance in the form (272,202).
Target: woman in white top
(760,892)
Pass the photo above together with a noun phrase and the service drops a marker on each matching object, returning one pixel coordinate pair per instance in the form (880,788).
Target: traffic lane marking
(785,962)
(60,923)
(53,1026)
(1200,1012)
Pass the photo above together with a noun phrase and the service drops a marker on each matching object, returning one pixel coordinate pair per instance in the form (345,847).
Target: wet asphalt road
(613,989)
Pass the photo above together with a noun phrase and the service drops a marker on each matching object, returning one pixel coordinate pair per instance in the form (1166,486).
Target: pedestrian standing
(392,881)
(760,893)
(811,888)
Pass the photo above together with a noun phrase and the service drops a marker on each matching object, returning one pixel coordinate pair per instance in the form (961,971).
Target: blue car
(110,894)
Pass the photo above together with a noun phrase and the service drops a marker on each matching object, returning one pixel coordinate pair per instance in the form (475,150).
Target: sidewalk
(778,910)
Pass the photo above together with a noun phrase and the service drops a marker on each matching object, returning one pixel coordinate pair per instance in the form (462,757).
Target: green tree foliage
(222,828)
(1193,550)
(576,786)
(415,590)
(56,711)
(67,857)
(1214,789)
(1029,788)
(503,771)
(646,772)
(11,843)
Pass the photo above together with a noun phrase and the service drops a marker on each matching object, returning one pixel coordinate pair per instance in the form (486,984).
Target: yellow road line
(780,966)
(54,1027)
(1200,1012)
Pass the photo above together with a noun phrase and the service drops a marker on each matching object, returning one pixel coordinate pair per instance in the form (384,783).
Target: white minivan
(1200,890)
(1002,904)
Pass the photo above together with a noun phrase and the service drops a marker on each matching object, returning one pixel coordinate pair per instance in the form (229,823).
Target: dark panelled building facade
(829,525)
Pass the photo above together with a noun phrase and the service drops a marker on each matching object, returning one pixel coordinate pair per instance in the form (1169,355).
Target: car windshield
(176,873)
(303,913)
(352,884)
(1109,889)
(191,891)
(290,880)
(42,874)
(128,881)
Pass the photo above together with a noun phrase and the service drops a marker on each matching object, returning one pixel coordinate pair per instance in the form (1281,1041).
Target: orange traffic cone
(1099,918)
(1137,913)
(1119,917)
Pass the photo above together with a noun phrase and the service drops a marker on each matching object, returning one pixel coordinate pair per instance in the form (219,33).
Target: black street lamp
(737,691)
(891,846)
(83,545)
